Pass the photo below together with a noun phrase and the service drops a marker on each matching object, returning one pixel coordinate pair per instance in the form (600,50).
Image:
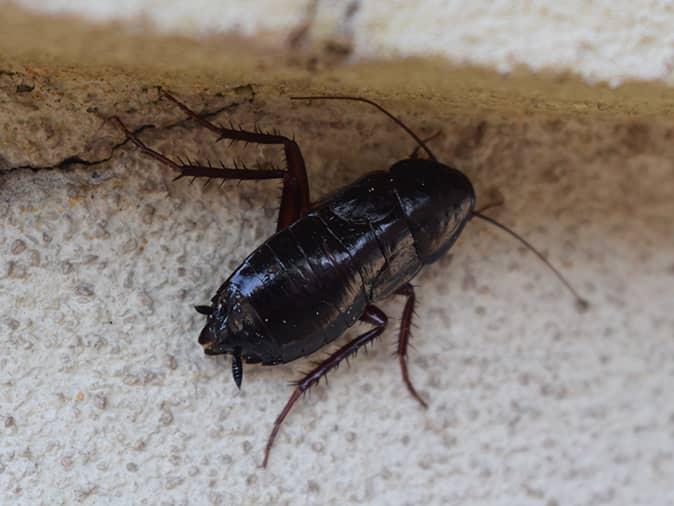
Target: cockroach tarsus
(330,261)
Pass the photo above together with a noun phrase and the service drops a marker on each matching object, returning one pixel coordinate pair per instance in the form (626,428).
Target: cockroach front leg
(403,339)
(295,194)
(372,315)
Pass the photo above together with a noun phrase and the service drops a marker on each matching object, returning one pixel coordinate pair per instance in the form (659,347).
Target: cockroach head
(437,201)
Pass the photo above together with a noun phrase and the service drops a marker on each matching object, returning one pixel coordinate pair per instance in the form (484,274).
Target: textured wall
(105,396)
(608,40)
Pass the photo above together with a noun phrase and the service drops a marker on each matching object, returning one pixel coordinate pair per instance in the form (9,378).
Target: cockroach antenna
(582,303)
(374,104)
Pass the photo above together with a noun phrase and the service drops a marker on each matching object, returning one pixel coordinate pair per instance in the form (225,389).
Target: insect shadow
(332,260)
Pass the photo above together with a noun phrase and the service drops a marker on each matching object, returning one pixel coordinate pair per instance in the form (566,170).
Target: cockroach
(331,261)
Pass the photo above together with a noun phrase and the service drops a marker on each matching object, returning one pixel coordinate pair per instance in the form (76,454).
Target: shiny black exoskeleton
(329,262)
(308,283)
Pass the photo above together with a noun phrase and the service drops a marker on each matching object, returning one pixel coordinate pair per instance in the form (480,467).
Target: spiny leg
(295,195)
(190,170)
(372,315)
(403,339)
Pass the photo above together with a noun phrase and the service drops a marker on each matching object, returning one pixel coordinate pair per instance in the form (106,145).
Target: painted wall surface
(607,40)
(106,396)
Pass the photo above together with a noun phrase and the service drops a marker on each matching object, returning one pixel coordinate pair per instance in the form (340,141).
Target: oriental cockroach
(331,261)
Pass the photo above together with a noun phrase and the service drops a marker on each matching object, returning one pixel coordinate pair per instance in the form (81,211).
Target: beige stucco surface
(611,41)
(105,396)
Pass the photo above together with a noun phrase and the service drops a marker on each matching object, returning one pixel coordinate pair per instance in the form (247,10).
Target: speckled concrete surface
(612,41)
(106,397)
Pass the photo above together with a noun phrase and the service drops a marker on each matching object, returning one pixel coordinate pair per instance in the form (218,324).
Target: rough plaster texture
(608,40)
(105,396)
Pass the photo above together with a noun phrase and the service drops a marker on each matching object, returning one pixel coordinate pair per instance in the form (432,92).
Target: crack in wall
(77,159)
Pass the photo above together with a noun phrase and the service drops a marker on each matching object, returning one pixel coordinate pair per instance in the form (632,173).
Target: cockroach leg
(295,196)
(403,338)
(143,147)
(372,315)
(194,170)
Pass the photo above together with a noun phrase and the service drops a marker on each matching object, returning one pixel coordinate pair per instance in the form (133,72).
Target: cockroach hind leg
(295,195)
(237,368)
(372,315)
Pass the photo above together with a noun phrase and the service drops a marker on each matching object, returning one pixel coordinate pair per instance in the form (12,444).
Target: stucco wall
(106,396)
(611,41)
